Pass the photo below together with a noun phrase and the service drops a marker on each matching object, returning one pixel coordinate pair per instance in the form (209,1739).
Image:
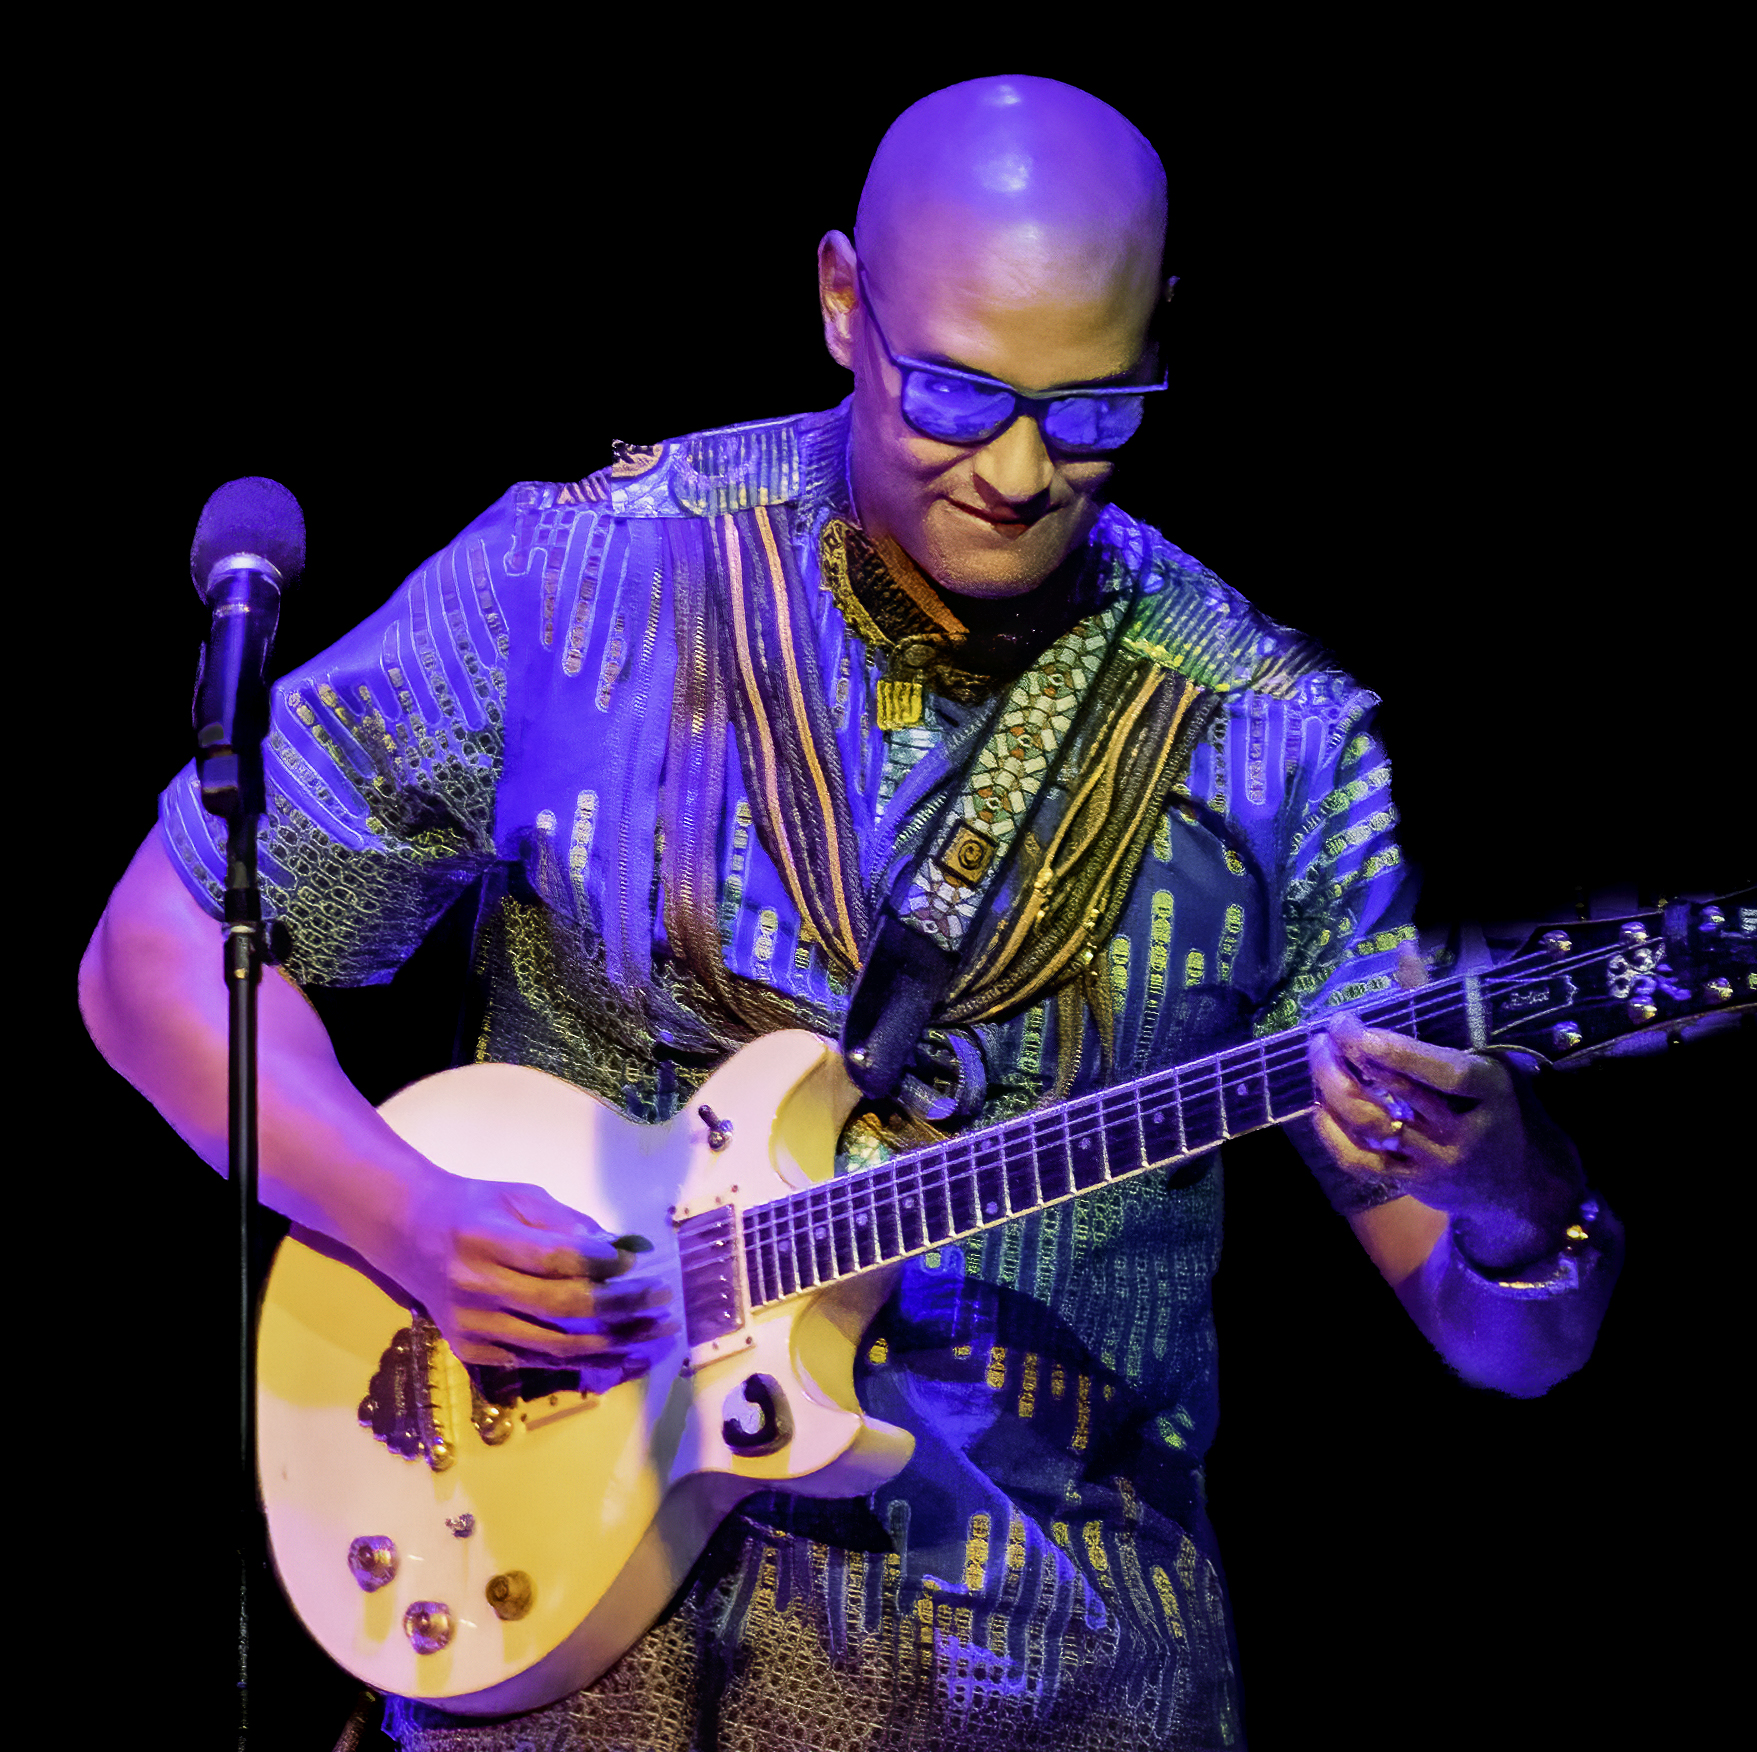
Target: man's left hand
(1461,1133)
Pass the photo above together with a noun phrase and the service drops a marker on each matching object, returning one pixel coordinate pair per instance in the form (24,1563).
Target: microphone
(249,546)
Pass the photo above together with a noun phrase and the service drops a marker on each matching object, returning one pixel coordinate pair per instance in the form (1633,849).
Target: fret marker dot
(860,1220)
(820,1231)
(909,1202)
(991,1207)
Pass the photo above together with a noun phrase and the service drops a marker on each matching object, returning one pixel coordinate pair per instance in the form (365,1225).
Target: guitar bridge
(400,1406)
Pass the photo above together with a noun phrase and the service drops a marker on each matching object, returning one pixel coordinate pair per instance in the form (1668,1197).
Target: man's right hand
(513,1276)
(509,1274)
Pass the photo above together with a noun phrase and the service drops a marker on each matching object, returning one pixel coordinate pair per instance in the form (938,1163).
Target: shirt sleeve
(381,766)
(1348,894)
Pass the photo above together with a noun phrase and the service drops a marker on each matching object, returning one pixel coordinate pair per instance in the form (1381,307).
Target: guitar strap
(988,917)
(1009,886)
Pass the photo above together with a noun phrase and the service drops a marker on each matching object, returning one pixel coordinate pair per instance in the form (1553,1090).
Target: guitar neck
(862,1221)
(1569,994)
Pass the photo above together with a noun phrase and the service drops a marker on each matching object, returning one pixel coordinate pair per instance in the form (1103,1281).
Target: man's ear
(838,294)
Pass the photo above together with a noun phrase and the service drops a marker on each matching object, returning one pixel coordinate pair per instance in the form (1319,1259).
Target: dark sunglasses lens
(1094,422)
(950,408)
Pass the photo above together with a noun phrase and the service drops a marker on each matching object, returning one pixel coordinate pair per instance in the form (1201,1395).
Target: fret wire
(912,1209)
(889,1188)
(821,1236)
(805,1245)
(839,1220)
(753,1275)
(1019,1156)
(944,1190)
(849,1192)
(772,1270)
(988,1177)
(798,1232)
(779,1258)
(861,1197)
(751,1224)
(1065,1146)
(1086,1142)
(777,1261)
(966,1213)
(1120,1124)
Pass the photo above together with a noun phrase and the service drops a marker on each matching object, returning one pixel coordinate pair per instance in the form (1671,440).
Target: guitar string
(828,1208)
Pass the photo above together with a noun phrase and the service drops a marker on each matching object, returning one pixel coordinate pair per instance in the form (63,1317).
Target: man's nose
(1017,465)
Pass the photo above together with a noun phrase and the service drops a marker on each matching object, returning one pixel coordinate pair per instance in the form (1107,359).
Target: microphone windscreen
(249,516)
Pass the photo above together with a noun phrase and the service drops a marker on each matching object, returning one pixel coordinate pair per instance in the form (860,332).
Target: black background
(1447,352)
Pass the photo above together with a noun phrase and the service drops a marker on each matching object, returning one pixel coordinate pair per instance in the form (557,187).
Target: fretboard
(966,1184)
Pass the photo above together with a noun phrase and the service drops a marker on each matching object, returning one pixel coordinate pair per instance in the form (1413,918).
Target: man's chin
(1008,562)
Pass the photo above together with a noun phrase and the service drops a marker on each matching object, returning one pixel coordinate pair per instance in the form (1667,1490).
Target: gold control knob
(428,1625)
(372,1561)
(511,1594)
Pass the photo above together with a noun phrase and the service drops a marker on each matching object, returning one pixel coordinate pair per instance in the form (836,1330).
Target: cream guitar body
(521,1547)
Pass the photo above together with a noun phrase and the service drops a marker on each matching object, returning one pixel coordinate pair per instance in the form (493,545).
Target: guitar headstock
(1578,991)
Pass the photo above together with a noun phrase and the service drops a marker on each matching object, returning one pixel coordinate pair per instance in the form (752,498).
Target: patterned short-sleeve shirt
(1042,1573)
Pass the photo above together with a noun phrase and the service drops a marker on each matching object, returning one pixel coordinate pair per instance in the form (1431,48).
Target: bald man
(882,723)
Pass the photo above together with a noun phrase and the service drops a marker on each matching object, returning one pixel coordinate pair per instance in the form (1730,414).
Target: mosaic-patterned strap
(951,885)
(1068,897)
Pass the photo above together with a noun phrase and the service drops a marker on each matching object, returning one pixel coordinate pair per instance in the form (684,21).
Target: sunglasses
(964,407)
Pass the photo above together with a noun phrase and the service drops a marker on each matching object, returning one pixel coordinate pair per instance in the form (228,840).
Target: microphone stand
(231,718)
(244,957)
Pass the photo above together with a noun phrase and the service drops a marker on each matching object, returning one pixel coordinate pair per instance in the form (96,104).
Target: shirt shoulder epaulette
(707,474)
(1188,620)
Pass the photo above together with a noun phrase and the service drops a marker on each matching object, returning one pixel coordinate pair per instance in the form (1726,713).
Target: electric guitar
(490,1540)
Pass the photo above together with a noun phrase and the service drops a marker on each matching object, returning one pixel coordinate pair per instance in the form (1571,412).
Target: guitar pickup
(713,1302)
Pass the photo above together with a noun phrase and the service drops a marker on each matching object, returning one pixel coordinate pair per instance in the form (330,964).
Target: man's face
(1032,309)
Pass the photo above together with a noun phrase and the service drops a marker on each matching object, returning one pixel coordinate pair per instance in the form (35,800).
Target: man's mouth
(999,519)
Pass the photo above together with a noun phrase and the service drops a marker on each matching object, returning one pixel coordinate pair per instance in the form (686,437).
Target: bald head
(1046,173)
(1010,228)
